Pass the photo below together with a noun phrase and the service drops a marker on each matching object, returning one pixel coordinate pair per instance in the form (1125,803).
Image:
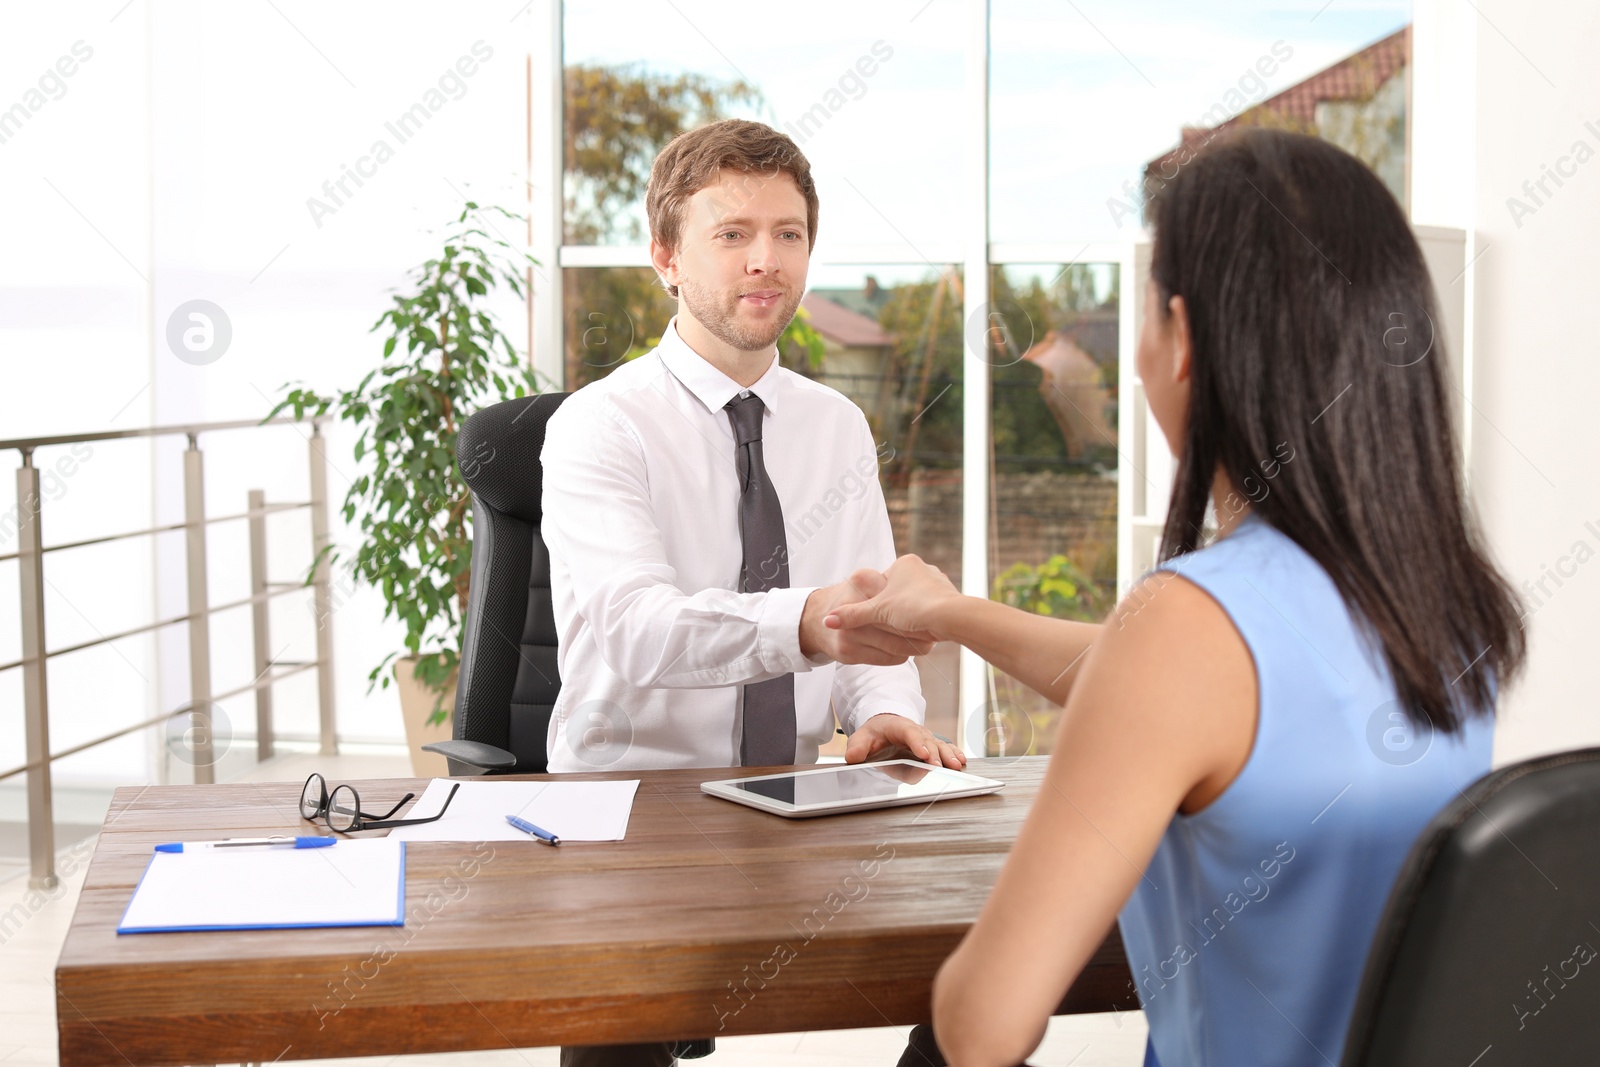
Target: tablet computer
(840,787)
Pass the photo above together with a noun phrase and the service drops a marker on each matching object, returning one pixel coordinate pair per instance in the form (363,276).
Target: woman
(1256,735)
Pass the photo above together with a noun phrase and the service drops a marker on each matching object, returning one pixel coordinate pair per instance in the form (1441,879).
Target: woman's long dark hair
(1314,336)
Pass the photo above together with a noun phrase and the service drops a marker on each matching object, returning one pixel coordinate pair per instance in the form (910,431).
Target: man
(705,509)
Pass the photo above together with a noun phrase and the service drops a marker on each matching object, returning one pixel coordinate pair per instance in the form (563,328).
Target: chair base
(695,1050)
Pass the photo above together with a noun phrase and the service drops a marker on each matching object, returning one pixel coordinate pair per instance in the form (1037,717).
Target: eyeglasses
(341,810)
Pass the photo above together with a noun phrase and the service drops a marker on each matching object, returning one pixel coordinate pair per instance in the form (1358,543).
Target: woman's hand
(912,601)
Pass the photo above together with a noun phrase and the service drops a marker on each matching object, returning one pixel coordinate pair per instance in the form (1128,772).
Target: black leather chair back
(508,680)
(1489,950)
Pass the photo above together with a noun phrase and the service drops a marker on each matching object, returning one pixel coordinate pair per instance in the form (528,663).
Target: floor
(33,925)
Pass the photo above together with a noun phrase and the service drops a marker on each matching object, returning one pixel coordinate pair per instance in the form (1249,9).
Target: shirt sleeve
(861,691)
(599,522)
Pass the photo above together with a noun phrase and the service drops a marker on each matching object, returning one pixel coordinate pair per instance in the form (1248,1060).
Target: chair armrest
(474,754)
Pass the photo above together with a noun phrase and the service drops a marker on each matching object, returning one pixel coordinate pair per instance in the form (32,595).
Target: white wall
(1532,92)
(183,151)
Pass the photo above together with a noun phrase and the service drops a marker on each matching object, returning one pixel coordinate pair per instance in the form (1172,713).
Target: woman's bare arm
(1164,711)
(1042,653)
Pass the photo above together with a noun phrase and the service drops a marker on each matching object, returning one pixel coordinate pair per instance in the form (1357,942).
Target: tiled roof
(867,299)
(843,326)
(1355,77)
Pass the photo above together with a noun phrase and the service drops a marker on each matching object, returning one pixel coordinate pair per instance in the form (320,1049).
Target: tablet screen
(855,783)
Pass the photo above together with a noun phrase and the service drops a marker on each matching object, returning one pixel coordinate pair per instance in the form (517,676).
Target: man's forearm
(658,637)
(811,628)
(861,691)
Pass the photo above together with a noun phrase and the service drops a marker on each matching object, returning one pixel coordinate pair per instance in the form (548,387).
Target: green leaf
(440,360)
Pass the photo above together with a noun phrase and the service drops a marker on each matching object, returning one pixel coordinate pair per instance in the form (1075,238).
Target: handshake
(878,618)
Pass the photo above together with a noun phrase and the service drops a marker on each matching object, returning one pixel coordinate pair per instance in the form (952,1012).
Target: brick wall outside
(1037,515)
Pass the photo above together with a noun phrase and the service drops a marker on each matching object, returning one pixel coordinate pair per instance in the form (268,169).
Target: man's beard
(719,314)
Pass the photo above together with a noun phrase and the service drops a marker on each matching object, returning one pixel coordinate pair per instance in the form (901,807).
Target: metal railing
(30,555)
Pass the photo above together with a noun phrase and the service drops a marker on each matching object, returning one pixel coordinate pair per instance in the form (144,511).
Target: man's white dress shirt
(641,517)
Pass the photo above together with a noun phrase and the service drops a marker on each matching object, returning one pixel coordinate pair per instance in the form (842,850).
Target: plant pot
(416,704)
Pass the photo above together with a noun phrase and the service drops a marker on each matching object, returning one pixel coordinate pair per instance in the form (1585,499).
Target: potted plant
(444,356)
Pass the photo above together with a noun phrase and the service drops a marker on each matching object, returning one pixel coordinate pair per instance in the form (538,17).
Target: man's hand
(888,730)
(911,597)
(881,646)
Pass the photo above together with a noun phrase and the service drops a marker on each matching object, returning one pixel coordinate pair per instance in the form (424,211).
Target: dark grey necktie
(769,727)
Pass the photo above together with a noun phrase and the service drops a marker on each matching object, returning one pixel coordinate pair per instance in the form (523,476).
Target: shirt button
(744,393)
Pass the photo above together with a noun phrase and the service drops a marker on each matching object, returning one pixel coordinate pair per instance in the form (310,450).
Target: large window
(1082,107)
(866,90)
(891,341)
(1052,347)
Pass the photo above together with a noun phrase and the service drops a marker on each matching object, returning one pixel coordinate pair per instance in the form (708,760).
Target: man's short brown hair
(691,161)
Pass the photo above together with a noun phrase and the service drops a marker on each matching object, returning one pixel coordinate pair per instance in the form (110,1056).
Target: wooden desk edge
(814,998)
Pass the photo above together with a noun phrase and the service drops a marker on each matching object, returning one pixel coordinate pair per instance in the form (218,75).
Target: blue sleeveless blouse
(1249,932)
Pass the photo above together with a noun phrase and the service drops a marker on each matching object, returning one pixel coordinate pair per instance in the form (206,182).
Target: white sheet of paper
(573,811)
(352,883)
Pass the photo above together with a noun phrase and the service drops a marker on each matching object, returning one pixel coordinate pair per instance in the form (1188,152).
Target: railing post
(260,620)
(321,595)
(35,697)
(194,511)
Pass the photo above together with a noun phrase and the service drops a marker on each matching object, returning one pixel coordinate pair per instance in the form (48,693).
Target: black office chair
(508,682)
(1487,951)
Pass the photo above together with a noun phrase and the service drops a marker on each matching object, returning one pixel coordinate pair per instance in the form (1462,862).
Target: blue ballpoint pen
(239,842)
(528,828)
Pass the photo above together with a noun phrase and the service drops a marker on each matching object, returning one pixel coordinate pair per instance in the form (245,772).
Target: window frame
(969,248)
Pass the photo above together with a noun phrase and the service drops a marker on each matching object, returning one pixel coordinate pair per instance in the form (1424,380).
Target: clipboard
(353,883)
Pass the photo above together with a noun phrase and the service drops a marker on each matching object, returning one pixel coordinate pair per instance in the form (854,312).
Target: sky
(1081,94)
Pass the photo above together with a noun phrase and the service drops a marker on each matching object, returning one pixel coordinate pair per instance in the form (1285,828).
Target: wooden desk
(711,918)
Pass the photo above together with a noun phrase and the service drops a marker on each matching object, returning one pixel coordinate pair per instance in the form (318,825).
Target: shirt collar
(710,385)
